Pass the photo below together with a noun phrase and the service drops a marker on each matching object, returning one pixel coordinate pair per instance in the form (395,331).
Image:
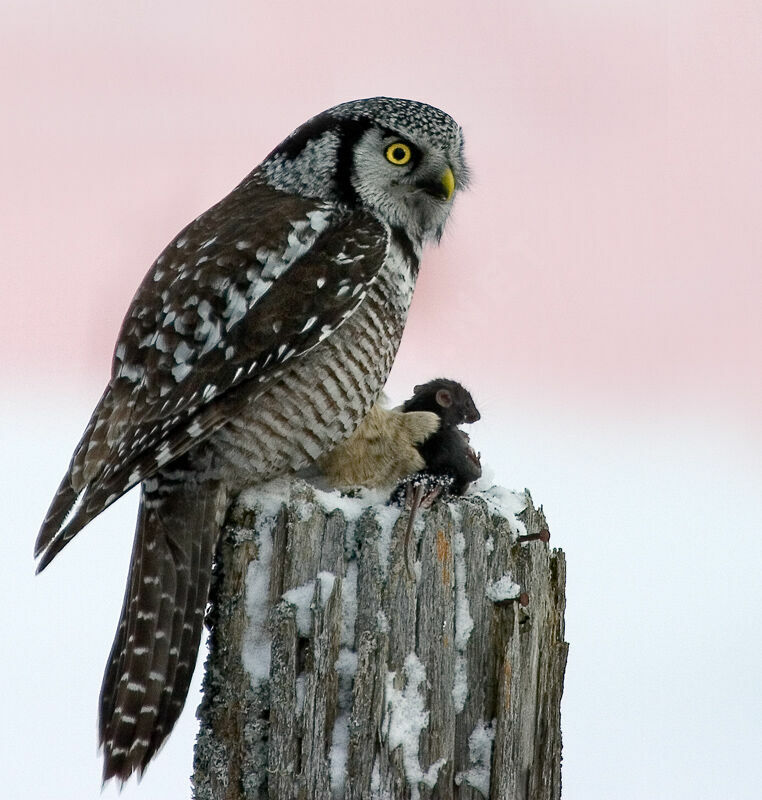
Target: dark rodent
(447,452)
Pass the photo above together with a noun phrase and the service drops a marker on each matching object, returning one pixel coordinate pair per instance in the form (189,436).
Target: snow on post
(337,671)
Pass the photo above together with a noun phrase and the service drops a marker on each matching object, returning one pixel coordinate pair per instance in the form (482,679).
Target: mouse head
(448,398)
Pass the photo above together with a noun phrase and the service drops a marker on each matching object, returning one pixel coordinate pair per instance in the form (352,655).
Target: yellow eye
(398,153)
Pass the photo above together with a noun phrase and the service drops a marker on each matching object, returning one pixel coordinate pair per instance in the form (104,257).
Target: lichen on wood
(342,666)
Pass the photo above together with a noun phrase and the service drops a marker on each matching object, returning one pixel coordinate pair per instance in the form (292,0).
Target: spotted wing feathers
(222,309)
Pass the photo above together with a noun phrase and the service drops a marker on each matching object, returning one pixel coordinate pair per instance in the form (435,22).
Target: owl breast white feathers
(258,340)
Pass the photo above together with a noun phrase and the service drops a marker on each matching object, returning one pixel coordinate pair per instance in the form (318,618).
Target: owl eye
(398,153)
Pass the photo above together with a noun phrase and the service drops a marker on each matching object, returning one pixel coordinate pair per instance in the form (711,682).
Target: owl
(258,340)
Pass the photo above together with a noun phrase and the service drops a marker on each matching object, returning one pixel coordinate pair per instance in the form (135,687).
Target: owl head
(399,159)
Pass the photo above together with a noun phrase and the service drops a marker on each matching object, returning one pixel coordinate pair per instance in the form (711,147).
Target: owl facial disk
(408,183)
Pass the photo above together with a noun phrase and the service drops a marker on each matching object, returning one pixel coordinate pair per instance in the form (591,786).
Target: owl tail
(156,645)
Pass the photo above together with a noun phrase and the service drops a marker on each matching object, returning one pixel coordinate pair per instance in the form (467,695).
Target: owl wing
(260,278)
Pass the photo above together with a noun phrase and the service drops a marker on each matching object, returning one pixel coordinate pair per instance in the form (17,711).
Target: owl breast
(319,399)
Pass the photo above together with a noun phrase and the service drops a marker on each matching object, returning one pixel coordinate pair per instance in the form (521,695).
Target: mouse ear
(444,398)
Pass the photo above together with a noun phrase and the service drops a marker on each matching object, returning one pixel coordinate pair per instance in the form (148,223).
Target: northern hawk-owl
(258,340)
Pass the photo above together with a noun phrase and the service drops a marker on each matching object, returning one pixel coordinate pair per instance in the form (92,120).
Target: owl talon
(418,491)
(413,499)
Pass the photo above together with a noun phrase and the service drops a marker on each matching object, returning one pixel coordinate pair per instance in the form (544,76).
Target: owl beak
(441,189)
(448,183)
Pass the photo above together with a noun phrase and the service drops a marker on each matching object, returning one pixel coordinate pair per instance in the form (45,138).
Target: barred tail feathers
(156,644)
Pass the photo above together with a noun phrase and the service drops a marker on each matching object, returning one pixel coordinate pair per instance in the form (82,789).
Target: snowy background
(598,291)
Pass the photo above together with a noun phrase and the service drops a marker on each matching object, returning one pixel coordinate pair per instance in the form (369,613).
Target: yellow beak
(448,183)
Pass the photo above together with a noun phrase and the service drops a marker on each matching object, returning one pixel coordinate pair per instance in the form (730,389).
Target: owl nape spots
(258,340)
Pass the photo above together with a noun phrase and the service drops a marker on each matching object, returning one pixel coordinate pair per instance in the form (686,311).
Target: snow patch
(301,691)
(375,779)
(255,651)
(464,624)
(504,588)
(302,596)
(349,605)
(267,499)
(506,503)
(338,754)
(351,506)
(346,667)
(460,683)
(386,516)
(479,757)
(406,716)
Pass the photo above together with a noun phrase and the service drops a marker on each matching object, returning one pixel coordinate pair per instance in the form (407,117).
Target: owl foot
(418,491)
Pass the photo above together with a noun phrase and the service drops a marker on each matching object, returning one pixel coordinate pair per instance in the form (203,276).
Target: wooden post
(342,666)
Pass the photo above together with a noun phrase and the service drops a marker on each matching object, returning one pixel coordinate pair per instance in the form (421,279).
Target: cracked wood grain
(484,720)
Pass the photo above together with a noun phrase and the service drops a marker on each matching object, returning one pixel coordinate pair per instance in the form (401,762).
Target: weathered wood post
(342,666)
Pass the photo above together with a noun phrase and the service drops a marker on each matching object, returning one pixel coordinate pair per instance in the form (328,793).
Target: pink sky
(608,253)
